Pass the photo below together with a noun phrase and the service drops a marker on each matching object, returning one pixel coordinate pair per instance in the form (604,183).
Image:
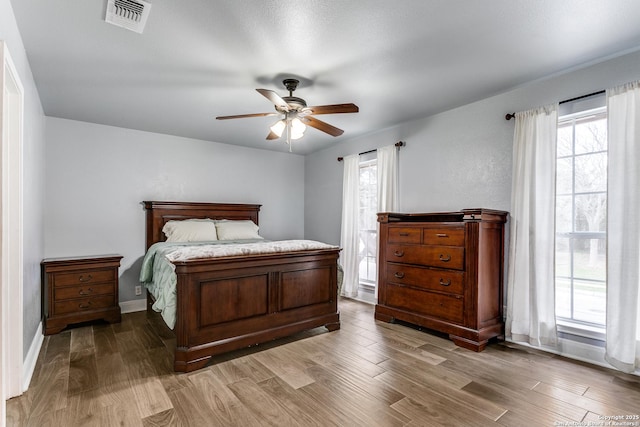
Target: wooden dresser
(78,290)
(444,271)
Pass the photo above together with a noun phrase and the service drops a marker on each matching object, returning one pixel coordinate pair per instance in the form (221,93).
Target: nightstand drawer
(84,304)
(84,291)
(85,277)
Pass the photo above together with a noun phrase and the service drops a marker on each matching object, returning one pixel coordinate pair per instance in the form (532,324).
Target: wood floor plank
(150,396)
(82,339)
(105,340)
(469,401)
(547,411)
(191,409)
(83,371)
(262,405)
(226,407)
(289,370)
(586,403)
(113,382)
(162,419)
(440,407)
(243,367)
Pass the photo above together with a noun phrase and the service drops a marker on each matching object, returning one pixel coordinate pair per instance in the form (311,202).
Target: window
(581,207)
(367,224)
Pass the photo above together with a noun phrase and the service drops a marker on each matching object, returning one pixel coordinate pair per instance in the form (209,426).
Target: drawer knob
(442,235)
(445,258)
(84,278)
(404,234)
(84,306)
(82,292)
(443,283)
(399,274)
(399,253)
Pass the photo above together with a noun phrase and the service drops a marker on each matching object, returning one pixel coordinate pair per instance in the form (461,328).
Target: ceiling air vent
(129,14)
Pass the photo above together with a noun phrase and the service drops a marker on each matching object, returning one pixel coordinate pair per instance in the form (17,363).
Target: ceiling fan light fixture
(278,127)
(297,128)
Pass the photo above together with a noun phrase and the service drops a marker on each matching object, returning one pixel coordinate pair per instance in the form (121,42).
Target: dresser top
(474,214)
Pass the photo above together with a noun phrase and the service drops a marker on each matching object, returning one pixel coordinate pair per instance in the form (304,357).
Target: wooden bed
(229,303)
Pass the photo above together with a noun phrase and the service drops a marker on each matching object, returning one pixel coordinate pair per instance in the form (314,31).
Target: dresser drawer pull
(442,235)
(399,274)
(85,279)
(447,283)
(398,253)
(404,234)
(82,292)
(445,258)
(84,306)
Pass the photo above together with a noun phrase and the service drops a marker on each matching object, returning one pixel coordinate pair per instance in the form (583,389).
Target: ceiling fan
(295,115)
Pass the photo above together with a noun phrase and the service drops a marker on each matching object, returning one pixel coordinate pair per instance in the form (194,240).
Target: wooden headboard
(158,213)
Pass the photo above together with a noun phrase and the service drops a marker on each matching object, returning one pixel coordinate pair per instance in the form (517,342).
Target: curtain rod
(512,115)
(397,144)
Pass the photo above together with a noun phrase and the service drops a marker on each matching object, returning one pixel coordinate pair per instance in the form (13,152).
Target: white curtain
(623,228)
(388,187)
(531,314)
(388,182)
(349,233)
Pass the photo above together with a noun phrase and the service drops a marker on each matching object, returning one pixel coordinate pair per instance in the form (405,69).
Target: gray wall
(457,159)
(33,177)
(97,176)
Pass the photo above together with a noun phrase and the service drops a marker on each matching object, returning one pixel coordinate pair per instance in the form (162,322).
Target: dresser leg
(468,344)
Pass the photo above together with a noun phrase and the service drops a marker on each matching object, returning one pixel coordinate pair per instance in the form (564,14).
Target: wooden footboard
(233,302)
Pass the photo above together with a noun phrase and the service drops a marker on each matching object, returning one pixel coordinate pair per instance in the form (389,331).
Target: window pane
(591,172)
(589,299)
(591,135)
(564,215)
(563,257)
(565,140)
(591,212)
(564,176)
(590,259)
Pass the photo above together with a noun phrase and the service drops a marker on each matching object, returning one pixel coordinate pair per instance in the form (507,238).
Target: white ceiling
(397,60)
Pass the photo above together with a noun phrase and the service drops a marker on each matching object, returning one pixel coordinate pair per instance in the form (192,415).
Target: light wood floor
(366,374)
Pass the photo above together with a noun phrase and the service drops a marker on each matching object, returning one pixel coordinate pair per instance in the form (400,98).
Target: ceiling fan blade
(275,98)
(242,116)
(272,135)
(322,126)
(334,109)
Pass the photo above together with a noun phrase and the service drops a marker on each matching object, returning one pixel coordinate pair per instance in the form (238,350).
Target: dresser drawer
(85,277)
(84,304)
(427,255)
(445,307)
(443,236)
(83,291)
(404,235)
(436,280)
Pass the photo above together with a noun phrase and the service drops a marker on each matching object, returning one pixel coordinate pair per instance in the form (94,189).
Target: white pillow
(190,230)
(237,230)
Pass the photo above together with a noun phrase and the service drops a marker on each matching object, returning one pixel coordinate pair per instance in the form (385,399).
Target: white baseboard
(133,305)
(29,363)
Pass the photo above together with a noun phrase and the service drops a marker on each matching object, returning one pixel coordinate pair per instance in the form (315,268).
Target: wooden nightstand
(78,290)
